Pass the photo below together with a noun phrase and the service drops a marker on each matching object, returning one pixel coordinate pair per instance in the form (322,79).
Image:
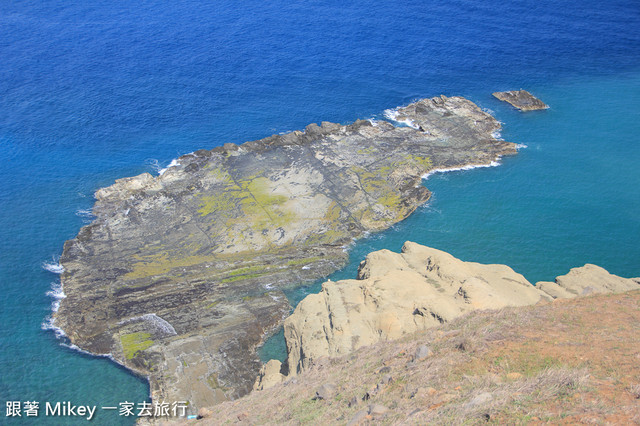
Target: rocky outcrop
(421,287)
(521,99)
(586,280)
(180,276)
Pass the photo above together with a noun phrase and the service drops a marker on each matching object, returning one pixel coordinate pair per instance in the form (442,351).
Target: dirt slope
(566,362)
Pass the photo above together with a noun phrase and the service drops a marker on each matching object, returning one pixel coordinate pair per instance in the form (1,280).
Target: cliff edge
(398,294)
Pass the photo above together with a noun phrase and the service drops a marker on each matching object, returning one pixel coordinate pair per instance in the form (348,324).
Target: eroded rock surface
(586,280)
(180,276)
(421,287)
(521,99)
(397,294)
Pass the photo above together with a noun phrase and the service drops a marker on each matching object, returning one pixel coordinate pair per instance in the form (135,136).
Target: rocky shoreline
(180,276)
(398,294)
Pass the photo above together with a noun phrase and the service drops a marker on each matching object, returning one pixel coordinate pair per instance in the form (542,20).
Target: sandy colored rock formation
(180,276)
(586,280)
(521,99)
(396,294)
(421,287)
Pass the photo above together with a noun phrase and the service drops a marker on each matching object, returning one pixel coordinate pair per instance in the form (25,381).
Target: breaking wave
(392,114)
(54,266)
(455,169)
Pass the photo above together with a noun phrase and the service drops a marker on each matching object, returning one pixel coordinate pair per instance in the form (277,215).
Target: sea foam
(455,169)
(54,266)
(392,114)
(173,163)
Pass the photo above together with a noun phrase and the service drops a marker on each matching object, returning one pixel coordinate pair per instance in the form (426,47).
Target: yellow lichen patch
(367,151)
(220,203)
(256,204)
(380,192)
(333,212)
(424,162)
(161,263)
(135,342)
(302,262)
(330,236)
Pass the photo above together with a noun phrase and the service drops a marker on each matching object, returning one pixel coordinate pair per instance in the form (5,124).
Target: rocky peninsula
(180,276)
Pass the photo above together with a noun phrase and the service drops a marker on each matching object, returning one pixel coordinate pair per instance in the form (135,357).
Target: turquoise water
(93,92)
(571,197)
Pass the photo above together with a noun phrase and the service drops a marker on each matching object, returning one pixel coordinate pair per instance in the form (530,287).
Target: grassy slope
(564,362)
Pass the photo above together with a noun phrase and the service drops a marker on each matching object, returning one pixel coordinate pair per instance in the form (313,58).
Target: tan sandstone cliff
(400,293)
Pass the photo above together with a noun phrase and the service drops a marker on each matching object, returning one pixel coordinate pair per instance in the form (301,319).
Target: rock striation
(521,99)
(421,287)
(180,276)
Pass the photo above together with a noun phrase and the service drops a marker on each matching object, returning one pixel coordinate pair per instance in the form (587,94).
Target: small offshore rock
(326,391)
(521,99)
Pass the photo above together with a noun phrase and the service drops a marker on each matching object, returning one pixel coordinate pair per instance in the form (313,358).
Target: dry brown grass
(564,362)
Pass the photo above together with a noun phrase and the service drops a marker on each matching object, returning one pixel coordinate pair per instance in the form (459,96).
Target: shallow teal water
(571,197)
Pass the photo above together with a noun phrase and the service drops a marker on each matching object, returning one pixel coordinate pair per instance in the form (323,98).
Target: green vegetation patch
(249,200)
(134,343)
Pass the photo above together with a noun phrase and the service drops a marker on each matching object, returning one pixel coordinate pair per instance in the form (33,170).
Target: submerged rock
(521,99)
(180,276)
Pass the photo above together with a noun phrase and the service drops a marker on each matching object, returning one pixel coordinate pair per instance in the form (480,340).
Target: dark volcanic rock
(180,276)
(521,99)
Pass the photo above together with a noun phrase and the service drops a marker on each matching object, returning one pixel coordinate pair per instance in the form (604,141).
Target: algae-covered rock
(180,276)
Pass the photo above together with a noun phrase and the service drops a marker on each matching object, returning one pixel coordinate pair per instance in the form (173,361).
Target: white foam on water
(86,215)
(57,294)
(455,169)
(48,324)
(173,163)
(497,134)
(521,146)
(82,351)
(54,266)
(393,114)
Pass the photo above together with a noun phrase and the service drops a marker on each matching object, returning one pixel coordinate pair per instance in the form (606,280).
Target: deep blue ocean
(94,91)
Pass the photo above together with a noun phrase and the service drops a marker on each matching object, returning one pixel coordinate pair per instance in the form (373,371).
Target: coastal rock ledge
(401,293)
(180,276)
